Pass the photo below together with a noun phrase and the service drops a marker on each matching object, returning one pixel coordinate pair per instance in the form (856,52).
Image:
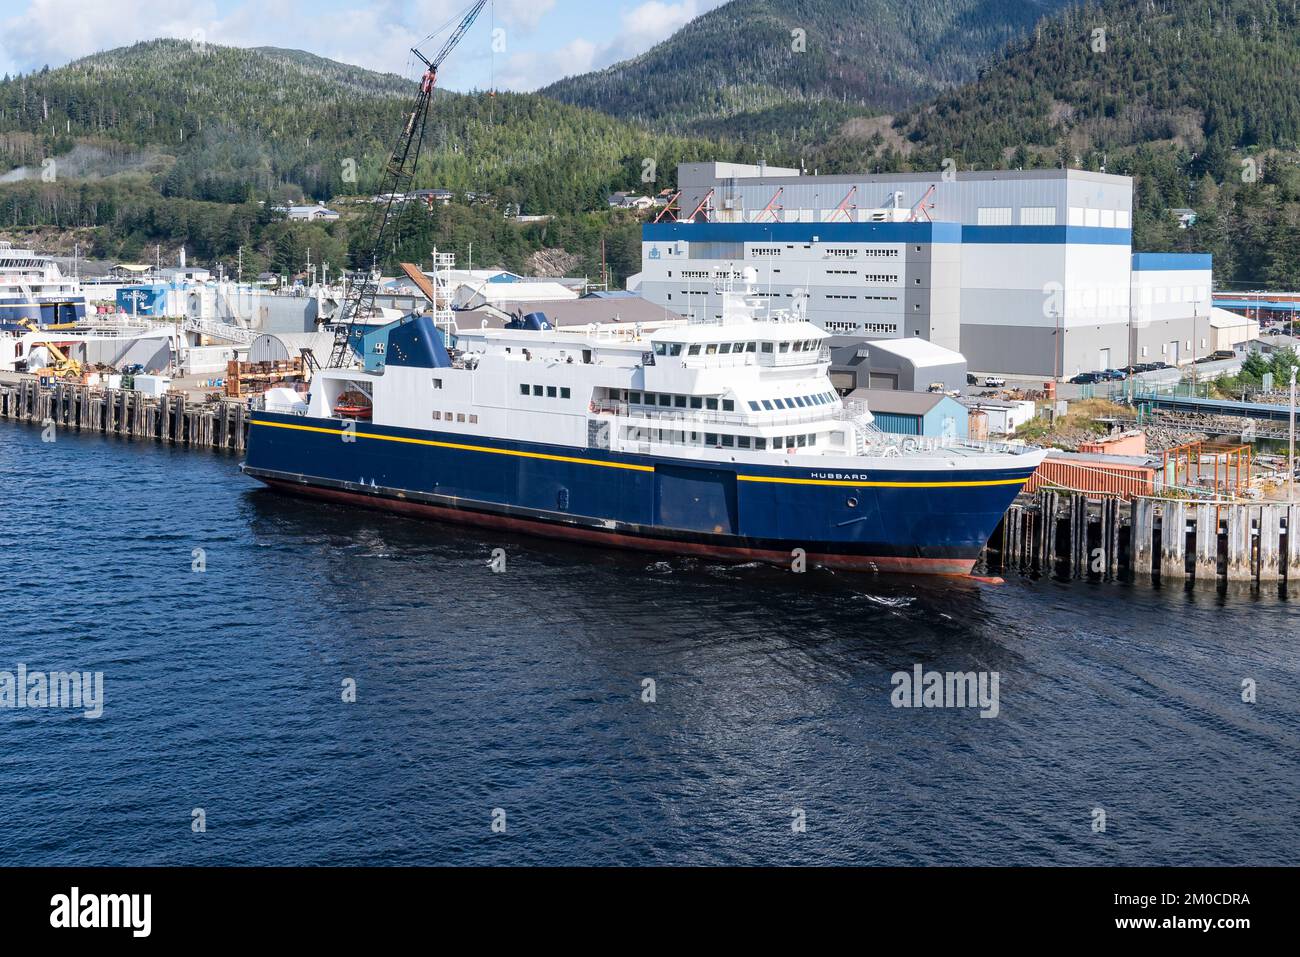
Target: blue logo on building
(142,300)
(654,252)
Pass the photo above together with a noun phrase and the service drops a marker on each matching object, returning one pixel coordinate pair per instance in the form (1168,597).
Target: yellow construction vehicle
(64,367)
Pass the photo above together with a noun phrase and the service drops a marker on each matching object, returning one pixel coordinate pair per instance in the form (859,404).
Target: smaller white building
(315,213)
(1005,416)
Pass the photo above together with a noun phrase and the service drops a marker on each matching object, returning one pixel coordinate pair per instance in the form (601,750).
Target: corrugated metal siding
(898,423)
(1100,477)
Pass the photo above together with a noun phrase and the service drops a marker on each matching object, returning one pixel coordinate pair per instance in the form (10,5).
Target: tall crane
(398,175)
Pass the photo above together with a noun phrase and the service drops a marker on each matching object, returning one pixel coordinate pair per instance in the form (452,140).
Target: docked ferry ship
(721,438)
(33,288)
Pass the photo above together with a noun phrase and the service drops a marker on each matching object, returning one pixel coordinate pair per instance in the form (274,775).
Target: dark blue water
(522,691)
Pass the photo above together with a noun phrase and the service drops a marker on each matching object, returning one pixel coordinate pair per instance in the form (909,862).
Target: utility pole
(1290,447)
(1057,352)
(1196,378)
(239,274)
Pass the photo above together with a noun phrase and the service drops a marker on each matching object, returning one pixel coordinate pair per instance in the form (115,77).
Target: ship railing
(794,358)
(921,444)
(710,417)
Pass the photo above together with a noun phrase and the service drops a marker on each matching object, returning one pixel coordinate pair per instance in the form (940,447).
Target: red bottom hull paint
(925,566)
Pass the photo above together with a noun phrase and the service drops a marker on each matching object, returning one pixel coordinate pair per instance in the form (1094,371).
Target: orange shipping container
(1093,475)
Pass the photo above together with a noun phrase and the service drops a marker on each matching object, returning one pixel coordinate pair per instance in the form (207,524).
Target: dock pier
(1166,540)
(167,418)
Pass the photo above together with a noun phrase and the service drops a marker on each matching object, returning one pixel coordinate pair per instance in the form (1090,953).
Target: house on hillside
(314,213)
(626,200)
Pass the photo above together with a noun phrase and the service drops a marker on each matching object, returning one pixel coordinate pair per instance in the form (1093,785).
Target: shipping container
(1094,474)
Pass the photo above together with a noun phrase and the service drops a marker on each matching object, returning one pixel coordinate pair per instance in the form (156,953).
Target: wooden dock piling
(167,418)
(1173,542)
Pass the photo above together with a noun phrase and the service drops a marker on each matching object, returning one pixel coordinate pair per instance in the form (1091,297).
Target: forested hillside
(779,70)
(275,123)
(162,139)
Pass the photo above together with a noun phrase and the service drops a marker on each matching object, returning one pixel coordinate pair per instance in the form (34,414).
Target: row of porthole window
(671,401)
(732,348)
(798,402)
(720,440)
(544,391)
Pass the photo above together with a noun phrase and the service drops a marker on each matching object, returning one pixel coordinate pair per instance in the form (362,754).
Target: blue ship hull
(895,520)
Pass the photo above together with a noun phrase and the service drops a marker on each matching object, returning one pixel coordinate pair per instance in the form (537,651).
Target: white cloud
(377,36)
(640,28)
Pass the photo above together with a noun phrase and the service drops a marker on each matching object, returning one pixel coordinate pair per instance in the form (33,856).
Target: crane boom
(395,181)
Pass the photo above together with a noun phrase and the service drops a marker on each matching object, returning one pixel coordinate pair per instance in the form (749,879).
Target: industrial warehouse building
(913,365)
(1028,272)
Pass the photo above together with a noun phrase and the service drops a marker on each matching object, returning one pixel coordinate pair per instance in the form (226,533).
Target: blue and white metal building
(1027,272)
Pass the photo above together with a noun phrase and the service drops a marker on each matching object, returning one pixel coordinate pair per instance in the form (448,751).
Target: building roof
(898,401)
(1223,319)
(920,352)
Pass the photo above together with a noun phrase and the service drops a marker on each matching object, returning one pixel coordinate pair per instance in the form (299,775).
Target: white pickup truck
(994,381)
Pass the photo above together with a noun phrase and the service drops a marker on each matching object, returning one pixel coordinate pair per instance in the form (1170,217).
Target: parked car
(1088,378)
(1114,375)
(994,381)
(1223,354)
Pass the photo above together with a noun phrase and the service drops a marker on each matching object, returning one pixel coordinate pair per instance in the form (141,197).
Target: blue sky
(543,39)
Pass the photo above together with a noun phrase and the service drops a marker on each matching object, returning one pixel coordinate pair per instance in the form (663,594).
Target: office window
(437,383)
(551,392)
(523,389)
(1037,215)
(537,390)
(564,392)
